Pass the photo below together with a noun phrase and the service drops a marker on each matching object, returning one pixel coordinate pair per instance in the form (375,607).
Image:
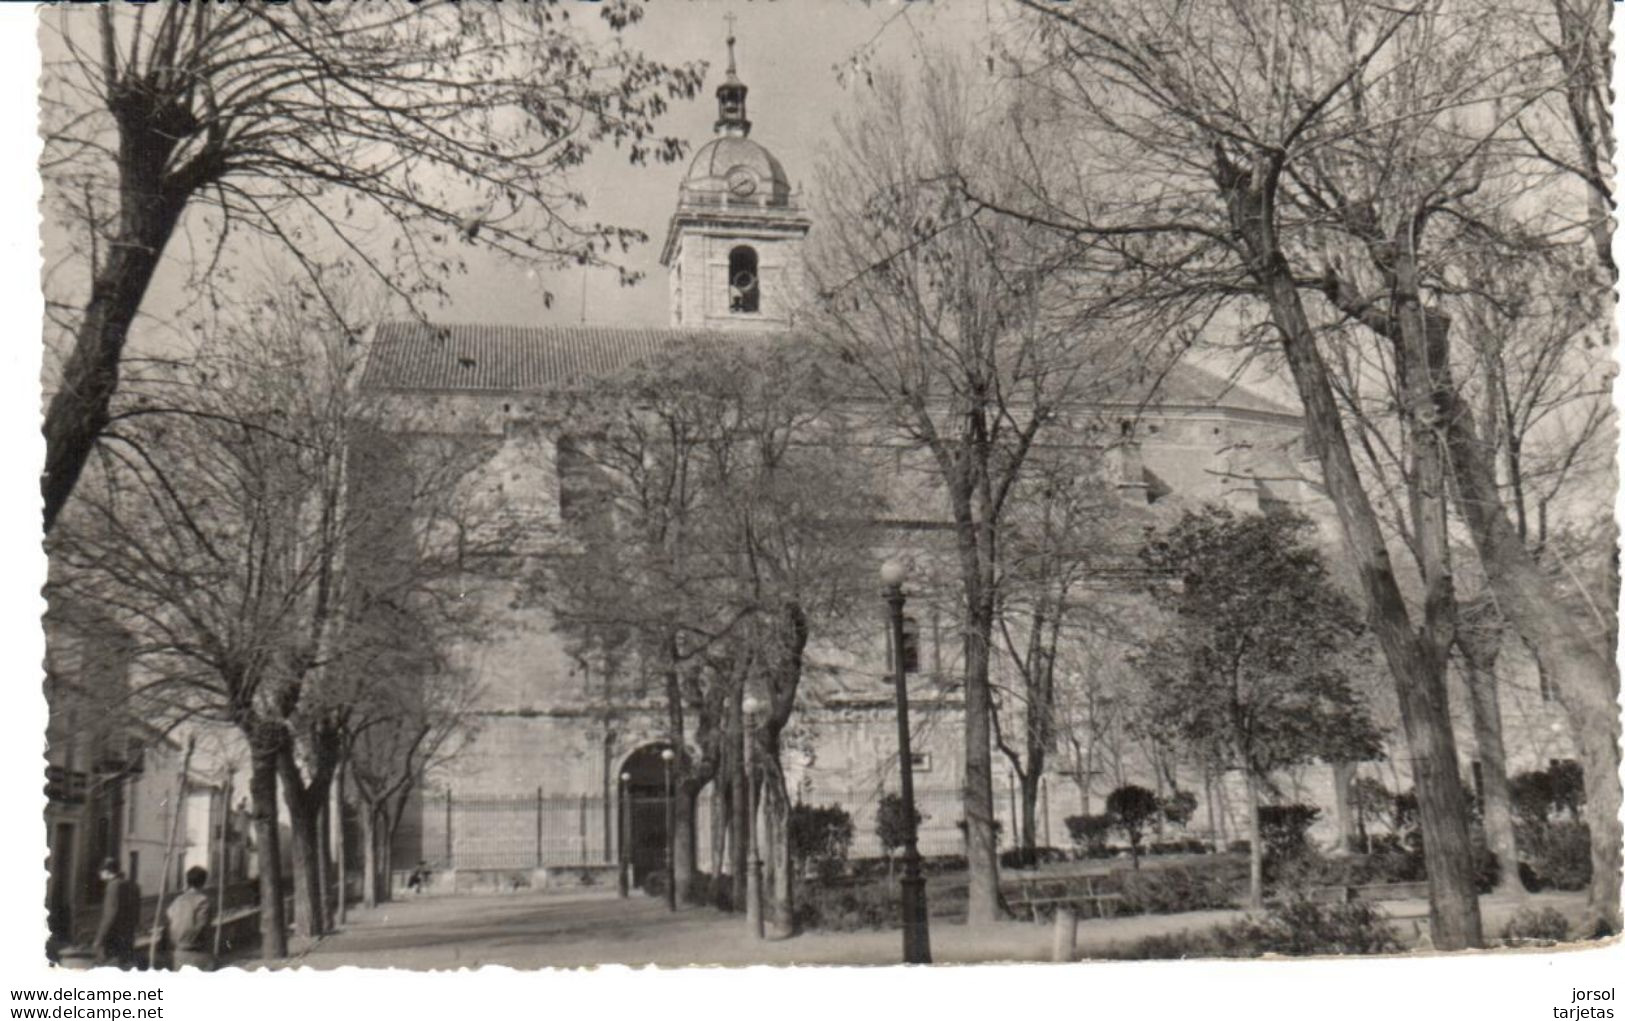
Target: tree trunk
(369,856)
(324,862)
(1255,847)
(778,873)
(150,204)
(386,864)
(683,864)
(739,825)
(307,894)
(1418,672)
(341,905)
(1342,795)
(1585,681)
(981,844)
(262,799)
(721,823)
(1029,812)
(1495,800)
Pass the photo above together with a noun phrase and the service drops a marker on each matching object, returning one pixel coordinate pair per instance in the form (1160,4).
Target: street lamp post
(916,930)
(666,758)
(626,837)
(753,877)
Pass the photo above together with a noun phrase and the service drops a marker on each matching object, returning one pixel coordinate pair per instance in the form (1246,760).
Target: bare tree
(966,332)
(237,521)
(1339,155)
(312,125)
(1067,529)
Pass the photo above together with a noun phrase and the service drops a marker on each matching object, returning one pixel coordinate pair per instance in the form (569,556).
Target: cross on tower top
(731,118)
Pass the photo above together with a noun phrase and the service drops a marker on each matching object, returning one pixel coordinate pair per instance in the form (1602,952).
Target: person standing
(186,922)
(121,914)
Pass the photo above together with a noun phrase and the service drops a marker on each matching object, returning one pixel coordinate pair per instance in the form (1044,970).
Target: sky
(788,52)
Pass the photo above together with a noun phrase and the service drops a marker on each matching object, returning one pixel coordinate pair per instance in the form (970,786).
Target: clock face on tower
(742,182)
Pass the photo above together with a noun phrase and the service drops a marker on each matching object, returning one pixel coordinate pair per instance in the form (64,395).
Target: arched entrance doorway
(643,817)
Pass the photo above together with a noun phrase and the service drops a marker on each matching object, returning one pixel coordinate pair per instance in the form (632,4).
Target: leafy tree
(892,826)
(820,836)
(1251,668)
(430,125)
(1130,809)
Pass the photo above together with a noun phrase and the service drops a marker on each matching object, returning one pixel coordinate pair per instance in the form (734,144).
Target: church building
(562,774)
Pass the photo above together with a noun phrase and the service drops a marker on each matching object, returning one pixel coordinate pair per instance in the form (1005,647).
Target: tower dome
(735,170)
(731,169)
(734,244)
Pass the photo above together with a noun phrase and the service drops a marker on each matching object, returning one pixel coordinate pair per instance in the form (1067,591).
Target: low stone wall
(445,882)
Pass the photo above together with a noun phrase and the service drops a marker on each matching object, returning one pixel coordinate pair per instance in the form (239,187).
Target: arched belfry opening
(744,281)
(643,817)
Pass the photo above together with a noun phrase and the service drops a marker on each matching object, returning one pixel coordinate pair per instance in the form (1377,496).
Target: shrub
(1538,795)
(1302,927)
(1188,846)
(1542,928)
(1285,830)
(891,824)
(1296,928)
(1559,853)
(1030,858)
(1130,807)
(848,908)
(1176,889)
(1088,833)
(1178,807)
(1568,787)
(1241,846)
(819,837)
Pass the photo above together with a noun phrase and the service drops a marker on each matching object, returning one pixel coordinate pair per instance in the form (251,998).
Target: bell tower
(733,247)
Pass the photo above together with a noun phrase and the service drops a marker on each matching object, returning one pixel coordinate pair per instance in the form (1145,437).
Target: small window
(919,762)
(1546,692)
(744,286)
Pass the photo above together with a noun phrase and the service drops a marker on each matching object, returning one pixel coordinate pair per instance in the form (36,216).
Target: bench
(1388,891)
(1368,893)
(1082,895)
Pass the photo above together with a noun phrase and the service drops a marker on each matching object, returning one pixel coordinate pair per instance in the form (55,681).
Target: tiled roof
(478,357)
(475,357)
(1186,385)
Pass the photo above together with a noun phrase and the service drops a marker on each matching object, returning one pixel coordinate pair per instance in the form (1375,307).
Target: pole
(916,925)
(1043,796)
(538,827)
(753,847)
(223,872)
(671,839)
(448,829)
(625,881)
(169,851)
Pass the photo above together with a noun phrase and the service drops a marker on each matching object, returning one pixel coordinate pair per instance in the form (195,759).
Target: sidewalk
(529,931)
